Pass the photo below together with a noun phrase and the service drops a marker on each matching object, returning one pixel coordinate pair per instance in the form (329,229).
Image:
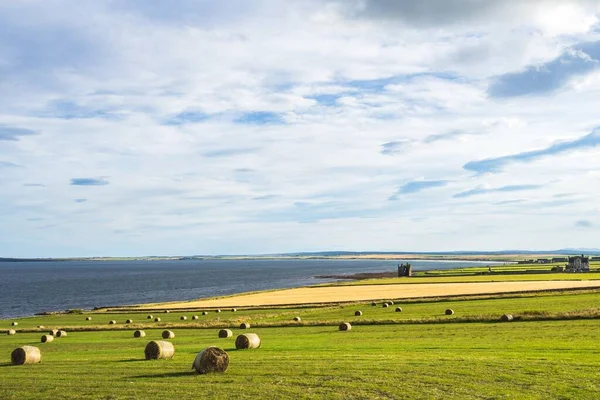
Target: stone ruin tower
(404,270)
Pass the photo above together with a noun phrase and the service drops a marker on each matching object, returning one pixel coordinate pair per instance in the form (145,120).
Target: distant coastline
(476,256)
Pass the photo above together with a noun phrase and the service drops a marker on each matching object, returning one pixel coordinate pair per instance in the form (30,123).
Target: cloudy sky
(237,127)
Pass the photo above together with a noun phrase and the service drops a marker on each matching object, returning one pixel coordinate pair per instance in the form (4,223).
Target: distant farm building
(595,259)
(542,261)
(526,262)
(559,259)
(578,264)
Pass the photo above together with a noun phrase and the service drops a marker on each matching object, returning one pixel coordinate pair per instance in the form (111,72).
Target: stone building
(578,264)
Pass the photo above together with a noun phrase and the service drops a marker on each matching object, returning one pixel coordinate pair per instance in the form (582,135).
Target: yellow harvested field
(332,294)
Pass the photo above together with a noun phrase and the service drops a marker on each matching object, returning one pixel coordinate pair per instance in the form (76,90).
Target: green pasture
(525,360)
(386,355)
(502,268)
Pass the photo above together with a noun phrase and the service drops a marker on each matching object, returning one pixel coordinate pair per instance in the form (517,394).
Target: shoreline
(359,276)
(356,277)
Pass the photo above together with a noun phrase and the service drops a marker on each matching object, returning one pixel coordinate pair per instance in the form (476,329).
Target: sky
(132,128)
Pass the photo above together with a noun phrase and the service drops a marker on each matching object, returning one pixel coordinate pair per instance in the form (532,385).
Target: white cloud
(148,100)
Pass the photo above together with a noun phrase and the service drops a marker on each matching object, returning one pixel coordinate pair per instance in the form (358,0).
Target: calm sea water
(27,288)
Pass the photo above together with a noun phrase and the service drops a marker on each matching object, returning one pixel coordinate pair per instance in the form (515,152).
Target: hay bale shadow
(177,374)
(133,360)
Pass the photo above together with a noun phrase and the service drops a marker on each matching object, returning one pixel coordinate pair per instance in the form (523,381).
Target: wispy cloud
(444,136)
(266,197)
(549,76)
(326,99)
(13,133)
(80,200)
(507,202)
(227,152)
(395,147)
(417,186)
(187,117)
(584,223)
(89,182)
(310,212)
(34,185)
(492,165)
(67,109)
(260,118)
(481,190)
(6,164)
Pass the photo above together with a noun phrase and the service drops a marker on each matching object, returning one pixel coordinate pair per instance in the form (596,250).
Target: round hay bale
(373,304)
(129,321)
(506,318)
(204,312)
(357,313)
(183,318)
(225,333)
(297,319)
(11,332)
(385,305)
(168,335)
(157,319)
(449,311)
(194,317)
(138,334)
(149,317)
(391,303)
(244,325)
(159,349)
(398,309)
(47,338)
(345,326)
(40,326)
(53,332)
(88,318)
(217,310)
(233,310)
(61,334)
(112,322)
(167,311)
(211,359)
(26,355)
(247,341)
(15,323)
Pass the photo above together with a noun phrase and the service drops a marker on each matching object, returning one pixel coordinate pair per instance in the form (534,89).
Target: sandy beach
(308,295)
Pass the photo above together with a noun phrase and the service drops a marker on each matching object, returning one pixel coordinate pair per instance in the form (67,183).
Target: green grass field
(418,353)
(504,268)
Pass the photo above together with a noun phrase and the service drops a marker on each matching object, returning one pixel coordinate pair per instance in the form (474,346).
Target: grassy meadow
(551,351)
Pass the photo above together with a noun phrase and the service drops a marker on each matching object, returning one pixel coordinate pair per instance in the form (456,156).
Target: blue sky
(201,127)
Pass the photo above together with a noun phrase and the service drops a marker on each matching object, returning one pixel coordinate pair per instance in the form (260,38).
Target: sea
(27,288)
